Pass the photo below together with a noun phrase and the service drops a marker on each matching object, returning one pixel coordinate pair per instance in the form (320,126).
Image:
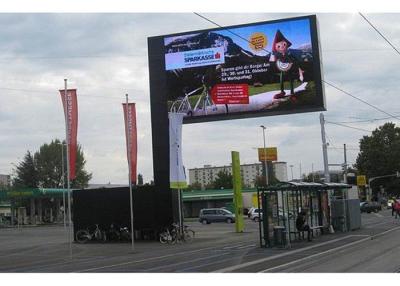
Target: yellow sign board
(361,180)
(267,154)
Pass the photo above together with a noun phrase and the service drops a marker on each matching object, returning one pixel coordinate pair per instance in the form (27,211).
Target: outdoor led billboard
(251,70)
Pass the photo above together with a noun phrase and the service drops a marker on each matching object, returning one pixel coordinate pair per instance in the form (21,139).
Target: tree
(316,178)
(194,186)
(224,180)
(380,155)
(44,169)
(25,173)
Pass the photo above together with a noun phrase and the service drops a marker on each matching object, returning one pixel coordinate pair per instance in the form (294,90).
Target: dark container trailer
(105,206)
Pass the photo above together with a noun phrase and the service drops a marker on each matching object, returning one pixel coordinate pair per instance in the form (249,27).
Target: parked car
(250,211)
(370,207)
(390,202)
(208,216)
(256,215)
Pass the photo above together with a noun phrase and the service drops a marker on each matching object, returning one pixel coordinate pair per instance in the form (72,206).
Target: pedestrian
(301,224)
(397,208)
(393,201)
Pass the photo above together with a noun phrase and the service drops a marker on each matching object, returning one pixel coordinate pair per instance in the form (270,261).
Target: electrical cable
(376,29)
(49,92)
(359,99)
(365,120)
(328,83)
(343,125)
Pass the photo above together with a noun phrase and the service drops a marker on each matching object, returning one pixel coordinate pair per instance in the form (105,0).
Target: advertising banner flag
(131,138)
(177,176)
(70,104)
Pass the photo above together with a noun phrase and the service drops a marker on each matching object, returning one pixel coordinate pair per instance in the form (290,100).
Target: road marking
(185,262)
(235,267)
(315,255)
(378,215)
(327,251)
(247,246)
(147,259)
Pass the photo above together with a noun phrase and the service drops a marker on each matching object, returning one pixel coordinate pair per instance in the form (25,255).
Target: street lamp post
(265,156)
(291,170)
(63,181)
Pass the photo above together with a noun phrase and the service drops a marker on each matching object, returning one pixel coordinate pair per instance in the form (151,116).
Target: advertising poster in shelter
(259,69)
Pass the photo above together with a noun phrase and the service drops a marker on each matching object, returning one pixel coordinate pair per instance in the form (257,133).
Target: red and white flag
(70,104)
(131,133)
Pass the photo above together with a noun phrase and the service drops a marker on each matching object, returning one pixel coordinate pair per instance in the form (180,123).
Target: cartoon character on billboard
(285,63)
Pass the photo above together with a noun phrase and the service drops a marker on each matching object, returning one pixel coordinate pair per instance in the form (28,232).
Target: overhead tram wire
(51,92)
(376,29)
(343,125)
(328,83)
(364,120)
(363,101)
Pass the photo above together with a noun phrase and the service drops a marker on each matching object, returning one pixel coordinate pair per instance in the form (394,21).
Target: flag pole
(68,168)
(128,121)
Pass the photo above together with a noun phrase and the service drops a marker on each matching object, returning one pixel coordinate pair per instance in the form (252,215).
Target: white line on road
(327,251)
(315,255)
(232,268)
(148,259)
(185,262)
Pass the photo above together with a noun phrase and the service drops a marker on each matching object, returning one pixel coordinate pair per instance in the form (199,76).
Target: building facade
(249,172)
(4,180)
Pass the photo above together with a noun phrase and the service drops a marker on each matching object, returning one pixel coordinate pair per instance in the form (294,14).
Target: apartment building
(249,172)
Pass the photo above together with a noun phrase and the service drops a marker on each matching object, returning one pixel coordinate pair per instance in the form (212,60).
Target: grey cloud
(28,119)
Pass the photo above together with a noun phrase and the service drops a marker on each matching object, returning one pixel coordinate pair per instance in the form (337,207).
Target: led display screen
(251,70)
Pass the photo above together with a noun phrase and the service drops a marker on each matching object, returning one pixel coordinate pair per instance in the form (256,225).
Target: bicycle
(85,235)
(175,236)
(166,237)
(186,235)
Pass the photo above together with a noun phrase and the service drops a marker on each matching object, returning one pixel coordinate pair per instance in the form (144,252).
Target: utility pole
(265,156)
(343,191)
(291,170)
(324,148)
(312,172)
(301,177)
(345,164)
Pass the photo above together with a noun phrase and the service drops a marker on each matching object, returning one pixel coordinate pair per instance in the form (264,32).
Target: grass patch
(271,87)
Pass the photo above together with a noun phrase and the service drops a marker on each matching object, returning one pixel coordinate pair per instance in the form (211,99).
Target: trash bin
(279,236)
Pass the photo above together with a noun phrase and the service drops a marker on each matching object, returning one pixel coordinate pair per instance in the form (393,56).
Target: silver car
(208,216)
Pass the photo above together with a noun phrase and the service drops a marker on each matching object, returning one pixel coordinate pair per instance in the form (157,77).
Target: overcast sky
(104,56)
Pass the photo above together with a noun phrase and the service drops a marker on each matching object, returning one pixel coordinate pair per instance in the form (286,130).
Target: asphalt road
(216,248)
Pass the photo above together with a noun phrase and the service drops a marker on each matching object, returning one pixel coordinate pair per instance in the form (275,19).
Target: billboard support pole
(128,135)
(180,212)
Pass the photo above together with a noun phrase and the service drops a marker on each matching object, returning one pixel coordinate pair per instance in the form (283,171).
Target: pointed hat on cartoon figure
(279,37)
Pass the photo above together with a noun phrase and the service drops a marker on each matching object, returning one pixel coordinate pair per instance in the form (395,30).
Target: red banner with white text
(131,133)
(70,104)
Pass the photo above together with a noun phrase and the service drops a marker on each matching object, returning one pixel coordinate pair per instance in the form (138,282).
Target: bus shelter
(281,204)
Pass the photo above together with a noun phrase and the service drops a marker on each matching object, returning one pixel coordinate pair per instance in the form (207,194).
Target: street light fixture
(265,156)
